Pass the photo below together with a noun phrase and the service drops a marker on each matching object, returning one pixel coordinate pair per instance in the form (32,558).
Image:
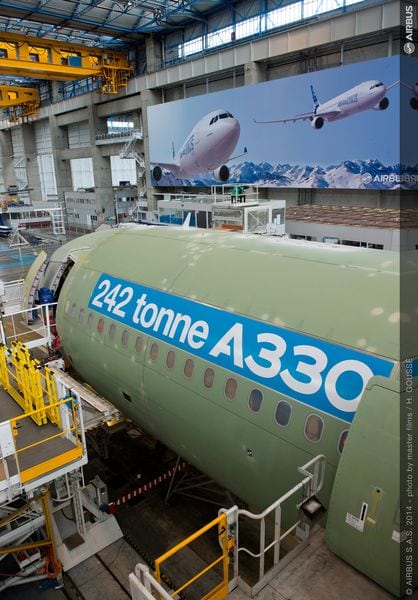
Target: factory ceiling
(99,22)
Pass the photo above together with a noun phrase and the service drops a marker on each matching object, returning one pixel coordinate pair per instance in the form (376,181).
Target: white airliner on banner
(207,148)
(368,94)
(414,89)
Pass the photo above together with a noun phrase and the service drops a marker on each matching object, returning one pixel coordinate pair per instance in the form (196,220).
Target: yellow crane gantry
(50,59)
(20,101)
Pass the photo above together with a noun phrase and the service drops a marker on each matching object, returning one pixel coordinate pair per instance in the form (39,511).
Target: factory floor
(316,574)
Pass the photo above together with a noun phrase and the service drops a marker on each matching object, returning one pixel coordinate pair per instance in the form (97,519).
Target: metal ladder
(77,504)
(57,221)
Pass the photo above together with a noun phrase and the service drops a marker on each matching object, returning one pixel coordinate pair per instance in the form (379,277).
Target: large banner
(336,128)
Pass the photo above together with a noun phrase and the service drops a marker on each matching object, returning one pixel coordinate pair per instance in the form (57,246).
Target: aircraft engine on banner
(221,173)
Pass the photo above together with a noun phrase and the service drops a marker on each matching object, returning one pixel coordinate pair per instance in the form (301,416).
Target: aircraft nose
(232,128)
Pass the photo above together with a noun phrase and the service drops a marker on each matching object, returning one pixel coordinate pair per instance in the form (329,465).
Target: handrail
(221,522)
(142,584)
(311,484)
(64,457)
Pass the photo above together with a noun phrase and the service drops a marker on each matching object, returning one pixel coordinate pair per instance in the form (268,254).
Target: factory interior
(208,314)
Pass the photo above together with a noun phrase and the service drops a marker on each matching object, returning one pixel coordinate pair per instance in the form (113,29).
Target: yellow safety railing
(29,384)
(219,591)
(59,458)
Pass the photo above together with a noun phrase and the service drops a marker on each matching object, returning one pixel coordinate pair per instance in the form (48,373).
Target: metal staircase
(57,220)
(129,151)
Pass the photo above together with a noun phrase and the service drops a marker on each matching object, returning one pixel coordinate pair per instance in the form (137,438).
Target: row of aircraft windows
(314,424)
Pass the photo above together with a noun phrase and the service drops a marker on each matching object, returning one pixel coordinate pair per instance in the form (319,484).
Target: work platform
(38,449)
(42,452)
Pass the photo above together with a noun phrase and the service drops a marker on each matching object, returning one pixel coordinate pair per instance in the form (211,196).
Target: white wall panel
(43,139)
(47,176)
(123,169)
(17,141)
(78,135)
(82,173)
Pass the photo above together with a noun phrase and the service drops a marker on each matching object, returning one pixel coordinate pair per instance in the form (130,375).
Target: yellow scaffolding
(221,590)
(60,458)
(32,386)
(51,59)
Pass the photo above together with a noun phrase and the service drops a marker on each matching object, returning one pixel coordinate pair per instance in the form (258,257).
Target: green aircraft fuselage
(248,357)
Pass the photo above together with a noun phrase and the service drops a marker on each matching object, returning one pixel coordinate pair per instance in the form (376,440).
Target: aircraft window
(188,368)
(171,359)
(255,400)
(231,387)
(127,396)
(67,306)
(223,116)
(112,331)
(154,352)
(125,337)
(314,428)
(100,325)
(90,320)
(229,115)
(138,344)
(81,315)
(283,413)
(342,440)
(209,378)
(73,309)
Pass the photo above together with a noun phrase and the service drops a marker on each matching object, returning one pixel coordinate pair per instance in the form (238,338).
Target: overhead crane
(20,101)
(53,60)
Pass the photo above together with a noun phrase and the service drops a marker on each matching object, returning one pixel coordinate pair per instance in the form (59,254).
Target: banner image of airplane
(231,136)
(208,147)
(367,95)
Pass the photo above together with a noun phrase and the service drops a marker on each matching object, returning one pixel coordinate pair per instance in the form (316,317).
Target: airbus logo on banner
(329,377)
(403,178)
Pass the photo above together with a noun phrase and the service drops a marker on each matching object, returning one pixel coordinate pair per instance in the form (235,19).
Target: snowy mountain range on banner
(349,174)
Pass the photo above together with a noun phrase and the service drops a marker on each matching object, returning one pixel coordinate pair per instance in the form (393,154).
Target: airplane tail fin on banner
(314,98)
(173,150)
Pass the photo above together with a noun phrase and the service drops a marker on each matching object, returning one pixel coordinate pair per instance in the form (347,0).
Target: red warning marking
(146,487)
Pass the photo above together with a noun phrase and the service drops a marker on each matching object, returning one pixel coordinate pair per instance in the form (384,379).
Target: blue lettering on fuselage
(329,377)
(349,100)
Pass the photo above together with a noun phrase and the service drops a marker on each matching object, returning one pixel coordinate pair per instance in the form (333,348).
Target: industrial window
(231,386)
(283,413)
(90,320)
(209,378)
(154,352)
(100,325)
(314,427)
(138,343)
(125,337)
(81,315)
(112,331)
(171,359)
(342,440)
(188,368)
(255,400)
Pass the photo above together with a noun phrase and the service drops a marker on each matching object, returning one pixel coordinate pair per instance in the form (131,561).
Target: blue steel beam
(154,14)
(61,17)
